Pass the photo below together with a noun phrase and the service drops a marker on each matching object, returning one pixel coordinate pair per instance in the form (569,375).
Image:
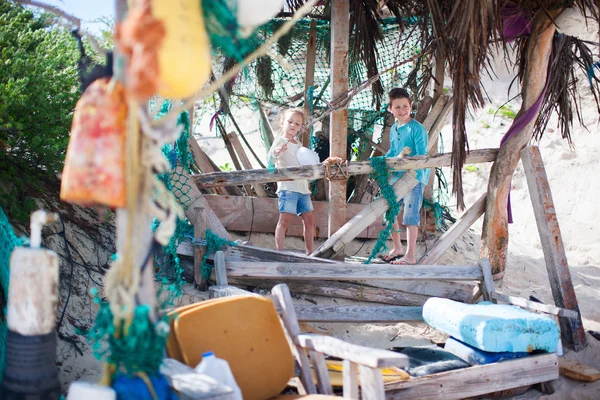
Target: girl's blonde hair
(293,111)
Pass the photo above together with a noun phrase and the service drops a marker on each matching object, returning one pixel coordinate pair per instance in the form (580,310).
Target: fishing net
(8,241)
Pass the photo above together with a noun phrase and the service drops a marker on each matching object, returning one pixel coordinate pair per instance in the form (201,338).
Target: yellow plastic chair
(248,333)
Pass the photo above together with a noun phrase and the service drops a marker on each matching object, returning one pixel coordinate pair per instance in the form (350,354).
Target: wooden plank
(456,230)
(532,305)
(434,131)
(283,302)
(477,380)
(320,367)
(574,370)
(267,125)
(220,268)
(338,128)
(251,214)
(317,171)
(367,356)
(309,80)
(258,254)
(350,271)
(237,146)
(196,199)
(371,383)
(552,245)
(487,285)
(341,290)
(227,291)
(199,232)
(338,241)
(359,314)
(350,379)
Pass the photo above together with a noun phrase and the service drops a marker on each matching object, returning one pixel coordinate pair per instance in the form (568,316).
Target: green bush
(38,90)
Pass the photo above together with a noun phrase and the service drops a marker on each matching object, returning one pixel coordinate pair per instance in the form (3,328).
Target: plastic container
(219,370)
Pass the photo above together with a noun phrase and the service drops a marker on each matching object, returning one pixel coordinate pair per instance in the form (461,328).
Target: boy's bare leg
(397,250)
(412,232)
(281,229)
(308,220)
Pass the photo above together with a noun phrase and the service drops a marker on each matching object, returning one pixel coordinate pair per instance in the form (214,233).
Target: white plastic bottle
(219,370)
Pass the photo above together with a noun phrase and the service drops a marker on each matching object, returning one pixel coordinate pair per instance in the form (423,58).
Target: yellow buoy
(184,57)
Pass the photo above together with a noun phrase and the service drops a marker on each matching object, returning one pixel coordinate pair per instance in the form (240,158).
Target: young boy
(406,132)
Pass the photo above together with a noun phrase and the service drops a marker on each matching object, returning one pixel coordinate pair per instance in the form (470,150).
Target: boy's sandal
(388,258)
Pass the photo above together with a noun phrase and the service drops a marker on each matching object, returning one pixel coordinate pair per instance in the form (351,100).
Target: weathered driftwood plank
(351,272)
(487,284)
(309,80)
(282,300)
(267,126)
(350,379)
(532,305)
(434,131)
(199,231)
(258,254)
(494,236)
(205,163)
(340,290)
(373,314)
(371,383)
(552,245)
(337,242)
(252,214)
(452,234)
(317,171)
(367,356)
(196,199)
(237,146)
(322,373)
(477,380)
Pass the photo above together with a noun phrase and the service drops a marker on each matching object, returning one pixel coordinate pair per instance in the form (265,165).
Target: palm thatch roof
(468,34)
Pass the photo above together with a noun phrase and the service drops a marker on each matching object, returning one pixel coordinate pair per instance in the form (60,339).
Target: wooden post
(199,232)
(552,245)
(235,142)
(338,131)
(494,237)
(311,56)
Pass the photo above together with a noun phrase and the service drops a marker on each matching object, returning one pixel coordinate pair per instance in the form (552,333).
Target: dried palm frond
(562,92)
(365,26)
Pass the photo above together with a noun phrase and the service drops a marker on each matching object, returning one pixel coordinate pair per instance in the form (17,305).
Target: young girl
(294,196)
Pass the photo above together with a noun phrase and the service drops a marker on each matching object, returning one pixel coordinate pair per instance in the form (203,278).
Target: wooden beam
(358,314)
(251,253)
(199,232)
(477,380)
(338,129)
(338,241)
(252,214)
(237,146)
(552,245)
(451,235)
(207,165)
(311,56)
(487,284)
(367,356)
(351,271)
(195,199)
(341,290)
(534,306)
(317,171)
(494,236)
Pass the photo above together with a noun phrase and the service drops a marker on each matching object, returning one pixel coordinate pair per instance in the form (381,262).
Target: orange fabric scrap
(139,37)
(94,171)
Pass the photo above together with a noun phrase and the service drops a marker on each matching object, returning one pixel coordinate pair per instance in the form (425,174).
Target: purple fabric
(521,122)
(514,23)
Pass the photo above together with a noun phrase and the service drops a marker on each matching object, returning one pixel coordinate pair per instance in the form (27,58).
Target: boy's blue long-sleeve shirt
(413,135)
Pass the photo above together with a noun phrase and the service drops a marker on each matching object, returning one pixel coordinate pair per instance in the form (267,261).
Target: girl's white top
(288,159)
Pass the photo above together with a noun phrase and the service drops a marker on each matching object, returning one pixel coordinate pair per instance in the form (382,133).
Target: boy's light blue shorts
(294,202)
(412,205)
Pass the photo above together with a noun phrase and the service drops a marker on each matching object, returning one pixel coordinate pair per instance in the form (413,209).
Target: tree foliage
(38,92)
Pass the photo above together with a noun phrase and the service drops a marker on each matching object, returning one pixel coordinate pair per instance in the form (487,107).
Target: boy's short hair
(398,93)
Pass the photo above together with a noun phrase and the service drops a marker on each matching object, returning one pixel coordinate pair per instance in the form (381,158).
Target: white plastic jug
(219,370)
